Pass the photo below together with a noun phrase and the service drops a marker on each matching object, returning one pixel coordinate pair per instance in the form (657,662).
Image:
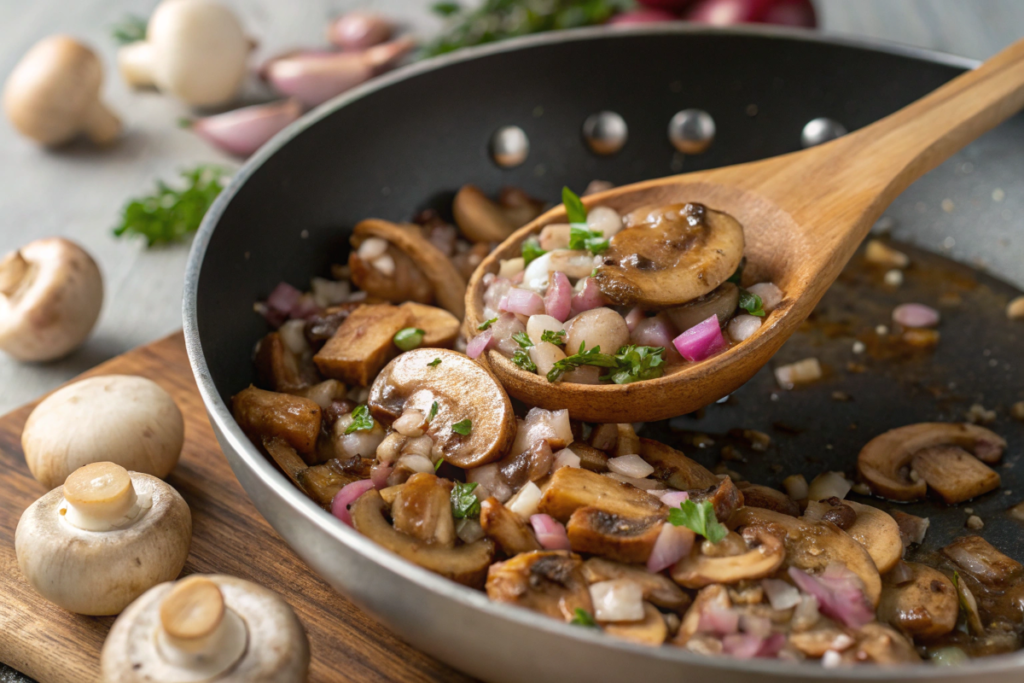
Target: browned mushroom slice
(286,457)
(322,482)
(880,644)
(674,468)
(406,283)
(812,546)
(757,496)
(919,601)
(604,437)
(714,595)
(465,564)
(721,302)
(480,219)
(363,344)
(979,559)
(278,369)
(440,327)
(463,391)
(550,582)
(874,529)
(657,588)
(651,630)
(590,458)
(954,474)
(628,442)
(507,529)
(819,639)
(423,510)
(884,463)
(294,419)
(764,555)
(669,255)
(617,537)
(723,496)
(571,488)
(449,286)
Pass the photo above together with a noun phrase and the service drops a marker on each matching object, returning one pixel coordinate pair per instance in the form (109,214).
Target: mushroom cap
(199,51)
(123,419)
(52,89)
(56,302)
(100,573)
(277,647)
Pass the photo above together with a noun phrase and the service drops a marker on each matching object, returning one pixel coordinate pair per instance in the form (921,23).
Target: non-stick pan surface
(411,139)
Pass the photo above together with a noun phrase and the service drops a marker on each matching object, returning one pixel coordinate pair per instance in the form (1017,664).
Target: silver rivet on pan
(606,132)
(509,146)
(691,131)
(821,130)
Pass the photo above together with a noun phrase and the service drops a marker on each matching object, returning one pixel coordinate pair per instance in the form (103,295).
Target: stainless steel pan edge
(457,625)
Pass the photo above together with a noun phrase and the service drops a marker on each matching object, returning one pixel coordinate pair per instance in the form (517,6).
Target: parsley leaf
(738,275)
(583,618)
(637,363)
(751,303)
(409,338)
(131,29)
(446,9)
(531,250)
(574,209)
(591,240)
(434,363)
(463,428)
(361,420)
(486,324)
(698,518)
(464,501)
(591,357)
(553,337)
(522,339)
(522,358)
(433,411)
(170,215)
(437,465)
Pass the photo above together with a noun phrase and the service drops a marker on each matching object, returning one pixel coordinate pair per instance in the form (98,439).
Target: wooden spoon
(804,215)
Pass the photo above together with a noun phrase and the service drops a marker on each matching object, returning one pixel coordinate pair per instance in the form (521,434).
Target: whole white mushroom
(99,541)
(51,293)
(206,628)
(194,50)
(124,419)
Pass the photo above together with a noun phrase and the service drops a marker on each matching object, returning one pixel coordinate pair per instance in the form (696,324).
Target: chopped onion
(294,336)
(806,370)
(536,275)
(480,343)
(329,292)
(796,486)
(701,341)
(781,595)
(504,329)
(617,600)
(372,248)
(588,298)
(643,484)
(550,532)
(489,477)
(673,544)
(654,331)
(558,300)
(543,425)
(283,298)
(524,302)
(537,325)
(344,498)
(827,485)
(772,645)
(605,219)
(719,620)
(948,656)
(469,530)
(496,290)
(379,473)
(742,327)
(416,463)
(511,267)
(839,593)
(912,527)
(410,423)
(915,315)
(631,465)
(526,501)
(674,498)
(742,645)
(565,458)
(633,318)
(831,659)
(385,265)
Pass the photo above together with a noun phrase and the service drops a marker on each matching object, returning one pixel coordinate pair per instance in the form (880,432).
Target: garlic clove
(243,131)
(359,30)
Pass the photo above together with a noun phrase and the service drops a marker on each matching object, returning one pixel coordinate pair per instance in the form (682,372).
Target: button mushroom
(764,554)
(463,391)
(572,488)
(884,462)
(96,543)
(117,418)
(651,630)
(506,528)
(204,628)
(921,602)
(670,255)
(874,529)
(484,221)
(624,538)
(53,94)
(656,588)
(51,292)
(194,50)
(550,582)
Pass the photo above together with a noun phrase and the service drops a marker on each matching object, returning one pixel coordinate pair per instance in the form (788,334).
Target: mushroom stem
(101,497)
(135,62)
(13,270)
(198,632)
(102,126)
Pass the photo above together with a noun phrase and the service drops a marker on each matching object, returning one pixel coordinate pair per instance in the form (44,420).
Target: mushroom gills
(616,537)
(547,581)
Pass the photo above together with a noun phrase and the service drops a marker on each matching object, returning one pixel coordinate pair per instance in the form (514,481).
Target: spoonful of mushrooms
(675,259)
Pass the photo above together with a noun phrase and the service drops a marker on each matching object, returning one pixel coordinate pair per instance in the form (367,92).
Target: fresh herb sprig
(361,420)
(698,518)
(169,214)
(582,617)
(751,303)
(574,209)
(463,427)
(486,325)
(433,411)
(582,238)
(582,357)
(522,339)
(553,337)
(532,250)
(636,363)
(465,504)
(434,363)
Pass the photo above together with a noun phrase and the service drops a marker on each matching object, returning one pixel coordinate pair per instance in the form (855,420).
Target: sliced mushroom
(440,327)
(590,458)
(674,468)
(714,595)
(874,529)
(617,537)
(363,344)
(480,219)
(403,281)
(465,564)
(322,482)
(670,255)
(954,474)
(604,437)
(723,496)
(519,207)
(652,630)
(722,302)
(765,554)
(880,644)
(294,419)
(506,528)
(462,390)
(657,588)
(923,604)
(819,639)
(449,286)
(884,462)
(979,559)
(757,496)
(286,458)
(423,510)
(571,488)
(812,545)
(277,368)
(550,582)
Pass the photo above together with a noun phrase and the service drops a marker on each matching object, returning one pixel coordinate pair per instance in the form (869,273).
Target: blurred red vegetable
(729,12)
(648,15)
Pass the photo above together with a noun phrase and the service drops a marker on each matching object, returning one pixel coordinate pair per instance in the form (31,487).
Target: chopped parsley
(751,303)
(522,358)
(583,618)
(574,209)
(580,237)
(464,501)
(409,338)
(361,420)
(532,250)
(445,9)
(698,518)
(437,465)
(522,339)
(434,363)
(553,337)
(463,428)
(433,411)
(486,324)
(170,215)
(637,363)
(591,357)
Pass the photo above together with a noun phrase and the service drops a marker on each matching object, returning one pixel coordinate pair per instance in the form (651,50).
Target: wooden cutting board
(229,537)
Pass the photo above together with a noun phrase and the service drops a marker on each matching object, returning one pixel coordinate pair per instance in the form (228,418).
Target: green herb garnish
(131,29)
(464,501)
(361,420)
(486,324)
(531,250)
(170,215)
(433,411)
(522,339)
(434,363)
(446,9)
(591,357)
(637,363)
(751,303)
(698,518)
(409,338)
(591,240)
(553,337)
(583,618)
(522,358)
(463,428)
(574,209)
(437,465)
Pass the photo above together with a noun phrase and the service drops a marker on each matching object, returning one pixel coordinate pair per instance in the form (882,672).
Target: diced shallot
(480,343)
(827,485)
(674,499)
(242,131)
(617,600)
(489,477)
(701,341)
(358,30)
(770,294)
(558,299)
(673,544)
(283,297)
(915,315)
(654,331)
(801,372)
(633,318)
(550,532)
(524,302)
(588,298)
(780,594)
(742,327)
(742,645)
(565,458)
(719,620)
(344,498)
(839,593)
(379,474)
(525,502)
(631,465)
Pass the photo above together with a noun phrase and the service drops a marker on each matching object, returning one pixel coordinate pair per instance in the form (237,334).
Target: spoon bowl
(803,214)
